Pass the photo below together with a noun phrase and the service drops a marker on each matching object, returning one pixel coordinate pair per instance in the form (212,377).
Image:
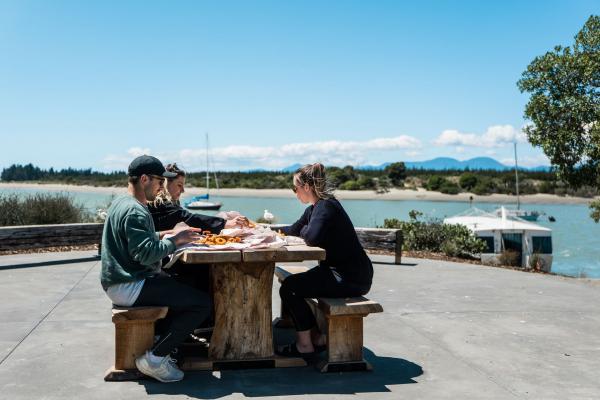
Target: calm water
(575,236)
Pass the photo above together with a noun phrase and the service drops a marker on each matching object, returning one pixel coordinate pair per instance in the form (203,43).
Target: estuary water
(575,236)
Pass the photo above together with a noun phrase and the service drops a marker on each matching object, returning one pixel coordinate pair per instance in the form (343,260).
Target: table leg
(242,297)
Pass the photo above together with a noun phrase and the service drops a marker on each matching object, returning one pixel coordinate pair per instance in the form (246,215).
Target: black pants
(316,282)
(188,307)
(196,275)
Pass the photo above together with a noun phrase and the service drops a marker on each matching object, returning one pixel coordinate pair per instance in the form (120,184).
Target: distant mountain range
(442,163)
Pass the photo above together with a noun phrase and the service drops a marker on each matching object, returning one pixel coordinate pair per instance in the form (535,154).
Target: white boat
(198,204)
(202,202)
(529,243)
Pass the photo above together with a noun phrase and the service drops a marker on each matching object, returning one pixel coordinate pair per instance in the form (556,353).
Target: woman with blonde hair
(346,271)
(167,211)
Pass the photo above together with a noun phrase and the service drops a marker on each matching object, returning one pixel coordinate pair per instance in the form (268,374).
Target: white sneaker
(165,371)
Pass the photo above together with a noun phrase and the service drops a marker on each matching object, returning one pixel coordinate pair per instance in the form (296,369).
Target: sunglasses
(296,187)
(160,178)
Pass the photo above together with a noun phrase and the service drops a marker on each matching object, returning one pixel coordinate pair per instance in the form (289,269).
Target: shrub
(546,187)
(435,182)
(509,258)
(484,186)
(449,188)
(437,237)
(41,209)
(536,262)
(350,185)
(364,182)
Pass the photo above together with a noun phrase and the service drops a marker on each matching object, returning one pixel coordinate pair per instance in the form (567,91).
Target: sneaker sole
(146,372)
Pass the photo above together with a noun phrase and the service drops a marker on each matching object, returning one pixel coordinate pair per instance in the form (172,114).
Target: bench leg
(132,339)
(344,345)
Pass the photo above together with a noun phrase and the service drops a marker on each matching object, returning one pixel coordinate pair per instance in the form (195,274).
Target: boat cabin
(509,239)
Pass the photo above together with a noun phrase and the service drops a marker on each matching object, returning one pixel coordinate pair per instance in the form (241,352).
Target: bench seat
(134,334)
(342,320)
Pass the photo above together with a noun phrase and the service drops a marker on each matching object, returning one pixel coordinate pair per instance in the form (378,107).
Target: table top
(282,254)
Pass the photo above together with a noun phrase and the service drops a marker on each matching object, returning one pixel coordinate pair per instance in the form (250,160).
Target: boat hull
(204,206)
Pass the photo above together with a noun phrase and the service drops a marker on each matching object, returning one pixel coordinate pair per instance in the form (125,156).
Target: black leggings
(188,307)
(316,282)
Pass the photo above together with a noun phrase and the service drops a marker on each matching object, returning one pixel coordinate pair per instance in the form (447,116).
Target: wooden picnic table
(242,282)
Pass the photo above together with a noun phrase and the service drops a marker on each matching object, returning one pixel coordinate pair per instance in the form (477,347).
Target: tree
(435,182)
(396,172)
(340,176)
(468,180)
(564,107)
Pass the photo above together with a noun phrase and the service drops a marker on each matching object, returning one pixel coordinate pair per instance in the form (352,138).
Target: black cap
(148,165)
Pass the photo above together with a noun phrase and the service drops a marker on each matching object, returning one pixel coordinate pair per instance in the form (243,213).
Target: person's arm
(143,244)
(204,222)
(173,214)
(315,232)
(296,227)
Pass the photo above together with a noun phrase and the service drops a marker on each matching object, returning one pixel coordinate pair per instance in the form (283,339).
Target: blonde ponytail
(314,175)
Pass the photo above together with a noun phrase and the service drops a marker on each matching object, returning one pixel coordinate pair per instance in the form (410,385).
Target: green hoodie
(131,248)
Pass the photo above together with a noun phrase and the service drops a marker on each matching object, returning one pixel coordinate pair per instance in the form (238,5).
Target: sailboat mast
(517,177)
(207,174)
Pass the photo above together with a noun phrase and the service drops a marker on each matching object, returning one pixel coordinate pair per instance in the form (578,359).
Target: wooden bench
(382,239)
(342,320)
(134,334)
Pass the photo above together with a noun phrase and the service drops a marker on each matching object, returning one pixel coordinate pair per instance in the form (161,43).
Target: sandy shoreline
(394,194)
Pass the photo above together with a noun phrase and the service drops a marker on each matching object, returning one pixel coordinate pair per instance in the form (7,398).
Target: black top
(327,225)
(167,215)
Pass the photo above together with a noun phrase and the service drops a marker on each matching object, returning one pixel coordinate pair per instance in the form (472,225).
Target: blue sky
(93,84)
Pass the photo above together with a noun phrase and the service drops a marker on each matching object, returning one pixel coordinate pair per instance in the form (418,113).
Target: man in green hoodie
(131,275)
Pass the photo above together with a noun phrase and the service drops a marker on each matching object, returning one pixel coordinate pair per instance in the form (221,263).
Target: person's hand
(237,222)
(162,234)
(185,236)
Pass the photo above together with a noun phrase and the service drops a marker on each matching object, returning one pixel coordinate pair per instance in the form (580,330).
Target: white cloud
(114,162)
(494,136)
(528,161)
(413,153)
(332,152)
(138,151)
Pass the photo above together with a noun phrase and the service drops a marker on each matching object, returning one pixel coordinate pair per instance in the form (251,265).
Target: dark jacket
(167,215)
(327,225)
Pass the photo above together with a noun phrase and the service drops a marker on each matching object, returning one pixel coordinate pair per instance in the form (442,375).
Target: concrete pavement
(449,331)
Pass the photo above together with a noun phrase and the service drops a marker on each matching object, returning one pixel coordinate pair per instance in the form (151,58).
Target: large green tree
(564,108)
(396,172)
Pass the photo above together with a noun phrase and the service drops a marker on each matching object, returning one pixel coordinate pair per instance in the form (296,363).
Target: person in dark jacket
(346,271)
(167,212)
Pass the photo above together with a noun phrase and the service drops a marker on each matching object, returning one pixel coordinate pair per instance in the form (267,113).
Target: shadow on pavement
(53,262)
(291,381)
(394,264)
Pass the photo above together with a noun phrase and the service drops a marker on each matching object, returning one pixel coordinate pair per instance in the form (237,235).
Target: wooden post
(242,297)
(344,345)
(398,250)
